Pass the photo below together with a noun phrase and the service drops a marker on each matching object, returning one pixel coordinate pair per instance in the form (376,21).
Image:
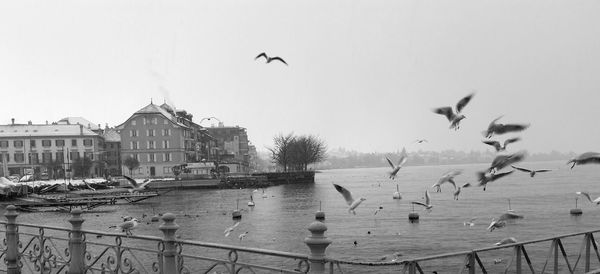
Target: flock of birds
(484,177)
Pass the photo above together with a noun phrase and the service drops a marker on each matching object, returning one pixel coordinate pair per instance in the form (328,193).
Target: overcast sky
(363,75)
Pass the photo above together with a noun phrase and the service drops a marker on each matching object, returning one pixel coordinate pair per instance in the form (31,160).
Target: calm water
(279,222)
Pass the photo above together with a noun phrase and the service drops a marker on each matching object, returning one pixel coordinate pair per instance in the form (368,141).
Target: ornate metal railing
(46,249)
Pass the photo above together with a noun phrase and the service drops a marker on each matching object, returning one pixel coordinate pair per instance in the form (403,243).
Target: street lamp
(208,118)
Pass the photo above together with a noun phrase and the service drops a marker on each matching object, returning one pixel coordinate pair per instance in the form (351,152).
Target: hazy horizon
(361,75)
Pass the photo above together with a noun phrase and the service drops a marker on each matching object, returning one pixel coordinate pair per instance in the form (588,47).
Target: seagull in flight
(587,195)
(396,168)
(455,117)
(420,141)
(505,241)
(135,185)
(456,193)
(348,197)
(494,128)
(500,147)
(502,161)
(269,59)
(243,235)
(427,203)
(485,178)
(496,224)
(585,158)
(448,177)
(230,229)
(531,172)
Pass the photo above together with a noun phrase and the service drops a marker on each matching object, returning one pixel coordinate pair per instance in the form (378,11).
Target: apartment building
(232,148)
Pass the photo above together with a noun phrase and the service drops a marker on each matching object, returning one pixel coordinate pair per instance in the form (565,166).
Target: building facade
(112,151)
(47,148)
(231,148)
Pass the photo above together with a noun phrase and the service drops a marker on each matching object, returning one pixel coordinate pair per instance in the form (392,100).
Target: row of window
(149,144)
(33,158)
(150,132)
(150,121)
(45,143)
(153,157)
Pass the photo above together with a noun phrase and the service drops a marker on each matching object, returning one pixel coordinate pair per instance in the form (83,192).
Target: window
(88,142)
(74,155)
(165,143)
(144,120)
(150,132)
(166,170)
(134,145)
(19,157)
(151,157)
(73,142)
(7,157)
(167,157)
(60,157)
(3,144)
(136,156)
(46,157)
(166,132)
(32,143)
(89,155)
(18,144)
(155,121)
(46,143)
(133,133)
(60,143)
(133,122)
(165,121)
(151,145)
(33,158)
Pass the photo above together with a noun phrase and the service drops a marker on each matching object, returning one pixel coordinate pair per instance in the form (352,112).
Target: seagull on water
(427,203)
(587,195)
(135,185)
(505,241)
(470,223)
(348,197)
(396,168)
(243,235)
(485,178)
(448,177)
(494,128)
(500,147)
(531,172)
(269,59)
(502,161)
(585,158)
(496,224)
(455,117)
(230,229)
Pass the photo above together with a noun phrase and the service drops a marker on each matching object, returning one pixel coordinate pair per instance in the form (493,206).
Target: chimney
(46,122)
(221,124)
(89,125)
(99,126)
(106,127)
(81,129)
(13,121)
(29,122)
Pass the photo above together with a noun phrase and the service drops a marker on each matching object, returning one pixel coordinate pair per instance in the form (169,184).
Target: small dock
(86,202)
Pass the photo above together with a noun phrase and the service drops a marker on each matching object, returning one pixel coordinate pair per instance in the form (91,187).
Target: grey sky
(363,74)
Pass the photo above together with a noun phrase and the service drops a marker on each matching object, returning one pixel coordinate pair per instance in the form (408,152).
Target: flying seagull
(427,203)
(135,185)
(485,178)
(230,229)
(348,197)
(269,59)
(499,147)
(502,161)
(448,177)
(587,195)
(396,168)
(495,128)
(505,241)
(531,172)
(585,158)
(454,117)
(420,141)
(496,224)
(243,235)
(456,193)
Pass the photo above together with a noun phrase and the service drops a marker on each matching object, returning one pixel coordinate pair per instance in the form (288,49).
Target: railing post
(588,241)
(555,243)
(76,243)
(472,262)
(518,249)
(12,240)
(317,242)
(169,227)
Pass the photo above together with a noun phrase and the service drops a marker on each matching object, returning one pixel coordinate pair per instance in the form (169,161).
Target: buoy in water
(396,194)
(576,211)
(251,203)
(236,214)
(413,216)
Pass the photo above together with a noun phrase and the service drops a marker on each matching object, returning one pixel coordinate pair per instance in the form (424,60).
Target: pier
(31,248)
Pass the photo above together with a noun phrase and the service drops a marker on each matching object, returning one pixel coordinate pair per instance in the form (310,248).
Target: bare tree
(131,163)
(296,153)
(281,152)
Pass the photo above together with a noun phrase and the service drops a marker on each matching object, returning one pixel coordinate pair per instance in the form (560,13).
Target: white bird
(587,195)
(135,185)
(264,195)
(427,203)
(269,59)
(128,226)
(378,209)
(505,241)
(448,177)
(494,128)
(500,147)
(456,193)
(230,229)
(585,158)
(396,168)
(348,197)
(243,235)
(396,194)
(453,117)
(531,172)
(470,223)
(496,224)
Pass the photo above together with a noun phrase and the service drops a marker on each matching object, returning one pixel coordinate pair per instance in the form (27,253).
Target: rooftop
(44,130)
(79,121)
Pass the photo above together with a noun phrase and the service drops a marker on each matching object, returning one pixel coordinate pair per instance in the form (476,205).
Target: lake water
(279,221)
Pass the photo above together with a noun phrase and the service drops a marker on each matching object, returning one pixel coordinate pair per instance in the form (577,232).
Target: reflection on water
(279,221)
